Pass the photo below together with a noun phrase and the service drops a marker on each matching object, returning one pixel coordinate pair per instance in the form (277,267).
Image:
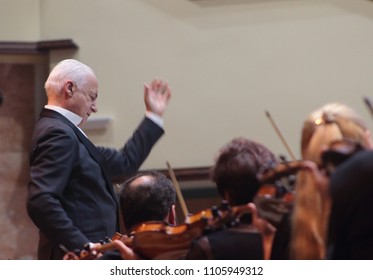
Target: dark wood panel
(14,47)
(190,173)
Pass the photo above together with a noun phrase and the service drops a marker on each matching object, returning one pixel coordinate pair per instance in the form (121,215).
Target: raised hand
(156,96)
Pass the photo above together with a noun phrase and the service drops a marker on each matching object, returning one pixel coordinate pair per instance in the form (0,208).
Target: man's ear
(69,88)
(172,215)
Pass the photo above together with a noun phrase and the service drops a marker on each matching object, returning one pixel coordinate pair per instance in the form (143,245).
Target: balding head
(148,196)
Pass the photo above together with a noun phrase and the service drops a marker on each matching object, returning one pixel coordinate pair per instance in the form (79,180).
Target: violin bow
(369,104)
(280,136)
(178,190)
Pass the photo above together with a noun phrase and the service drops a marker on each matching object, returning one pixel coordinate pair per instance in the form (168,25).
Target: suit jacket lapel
(92,149)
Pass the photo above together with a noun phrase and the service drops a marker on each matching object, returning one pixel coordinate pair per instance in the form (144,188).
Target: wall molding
(190,173)
(39,47)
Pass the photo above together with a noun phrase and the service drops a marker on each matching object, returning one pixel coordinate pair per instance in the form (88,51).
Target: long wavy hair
(331,122)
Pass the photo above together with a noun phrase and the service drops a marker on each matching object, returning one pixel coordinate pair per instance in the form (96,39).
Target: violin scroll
(92,251)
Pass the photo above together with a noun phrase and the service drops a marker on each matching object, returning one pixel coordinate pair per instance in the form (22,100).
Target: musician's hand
(319,178)
(265,227)
(88,253)
(267,230)
(70,256)
(126,252)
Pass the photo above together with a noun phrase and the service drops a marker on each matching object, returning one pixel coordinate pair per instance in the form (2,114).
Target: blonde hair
(309,221)
(331,122)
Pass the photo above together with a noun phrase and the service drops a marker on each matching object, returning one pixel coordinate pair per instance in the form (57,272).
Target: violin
(275,197)
(159,240)
(338,152)
(91,252)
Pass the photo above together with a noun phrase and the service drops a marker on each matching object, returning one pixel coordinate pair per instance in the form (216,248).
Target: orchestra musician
(147,203)
(148,196)
(70,194)
(234,174)
(318,190)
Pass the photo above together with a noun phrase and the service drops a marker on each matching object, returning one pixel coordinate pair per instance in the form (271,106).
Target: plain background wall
(19,20)
(228,61)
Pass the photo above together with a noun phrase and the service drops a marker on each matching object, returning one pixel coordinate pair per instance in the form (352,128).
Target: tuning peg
(77,252)
(87,247)
(224,205)
(263,169)
(215,211)
(234,223)
(283,158)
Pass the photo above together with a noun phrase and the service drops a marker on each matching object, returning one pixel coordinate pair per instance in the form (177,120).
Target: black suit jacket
(237,243)
(70,194)
(351,223)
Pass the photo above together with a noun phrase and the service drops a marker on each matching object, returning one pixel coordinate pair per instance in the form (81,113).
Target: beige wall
(19,20)
(227,62)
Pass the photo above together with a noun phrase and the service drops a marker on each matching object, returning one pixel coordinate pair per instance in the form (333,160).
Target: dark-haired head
(236,167)
(147,196)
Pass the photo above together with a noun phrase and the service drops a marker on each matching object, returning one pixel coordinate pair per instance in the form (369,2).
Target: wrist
(157,119)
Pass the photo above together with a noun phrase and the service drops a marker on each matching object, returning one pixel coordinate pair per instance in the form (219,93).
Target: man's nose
(94,108)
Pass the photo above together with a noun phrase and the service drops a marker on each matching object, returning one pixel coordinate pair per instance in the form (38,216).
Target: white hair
(68,69)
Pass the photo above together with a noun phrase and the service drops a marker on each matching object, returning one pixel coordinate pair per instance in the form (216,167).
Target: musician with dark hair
(234,173)
(149,196)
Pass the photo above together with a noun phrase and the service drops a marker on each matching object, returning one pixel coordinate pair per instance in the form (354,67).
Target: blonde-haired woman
(333,122)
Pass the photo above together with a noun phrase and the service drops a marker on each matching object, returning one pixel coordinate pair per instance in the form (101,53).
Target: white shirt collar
(74,118)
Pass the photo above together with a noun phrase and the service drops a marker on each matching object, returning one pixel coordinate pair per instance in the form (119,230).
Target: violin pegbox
(281,175)
(277,185)
(224,216)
